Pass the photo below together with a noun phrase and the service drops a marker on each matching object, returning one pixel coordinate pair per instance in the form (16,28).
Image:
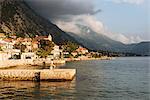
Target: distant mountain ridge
(142,48)
(96,41)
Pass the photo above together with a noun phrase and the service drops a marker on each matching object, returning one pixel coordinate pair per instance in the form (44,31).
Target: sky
(128,17)
(126,21)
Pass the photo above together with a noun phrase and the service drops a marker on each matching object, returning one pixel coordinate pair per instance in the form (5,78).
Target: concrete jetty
(38,75)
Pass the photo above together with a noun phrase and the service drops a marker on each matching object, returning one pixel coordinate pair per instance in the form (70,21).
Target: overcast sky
(123,20)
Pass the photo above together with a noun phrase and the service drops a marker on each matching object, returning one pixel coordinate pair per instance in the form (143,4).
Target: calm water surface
(119,79)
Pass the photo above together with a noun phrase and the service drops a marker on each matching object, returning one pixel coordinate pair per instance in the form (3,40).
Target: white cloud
(90,21)
(118,37)
(68,26)
(96,25)
(135,39)
(87,20)
(124,39)
(137,2)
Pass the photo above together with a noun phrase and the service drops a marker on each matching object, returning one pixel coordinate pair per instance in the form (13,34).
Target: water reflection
(37,90)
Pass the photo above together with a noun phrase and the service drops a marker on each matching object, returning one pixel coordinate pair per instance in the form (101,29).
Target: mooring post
(36,77)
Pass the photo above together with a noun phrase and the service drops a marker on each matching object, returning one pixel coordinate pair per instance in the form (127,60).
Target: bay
(125,78)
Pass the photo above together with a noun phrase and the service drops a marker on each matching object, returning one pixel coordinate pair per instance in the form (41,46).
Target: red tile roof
(81,49)
(8,40)
(40,37)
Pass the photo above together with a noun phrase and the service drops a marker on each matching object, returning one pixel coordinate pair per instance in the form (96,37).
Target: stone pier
(38,75)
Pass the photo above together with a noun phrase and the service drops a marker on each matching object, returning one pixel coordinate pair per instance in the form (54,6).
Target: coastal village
(16,51)
(74,50)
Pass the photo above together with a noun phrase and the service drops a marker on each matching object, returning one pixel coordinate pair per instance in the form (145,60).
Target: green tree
(45,48)
(20,46)
(70,47)
(1,30)
(1,48)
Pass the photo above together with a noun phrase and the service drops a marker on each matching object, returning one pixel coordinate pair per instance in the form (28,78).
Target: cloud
(86,20)
(90,21)
(68,26)
(124,39)
(137,2)
(71,25)
(68,13)
(58,8)
(135,39)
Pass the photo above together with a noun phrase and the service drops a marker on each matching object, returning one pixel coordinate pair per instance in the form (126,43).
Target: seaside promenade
(21,62)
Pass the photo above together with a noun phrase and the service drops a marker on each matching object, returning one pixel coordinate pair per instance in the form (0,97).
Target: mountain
(142,48)
(19,19)
(96,41)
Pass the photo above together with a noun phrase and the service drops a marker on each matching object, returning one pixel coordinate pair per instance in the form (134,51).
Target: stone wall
(19,62)
(9,63)
(36,75)
(17,74)
(59,74)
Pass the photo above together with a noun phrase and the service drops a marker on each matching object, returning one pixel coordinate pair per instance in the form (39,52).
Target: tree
(70,47)
(45,48)
(20,46)
(1,48)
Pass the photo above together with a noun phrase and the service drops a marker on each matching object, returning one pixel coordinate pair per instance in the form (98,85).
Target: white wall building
(4,56)
(56,52)
(29,55)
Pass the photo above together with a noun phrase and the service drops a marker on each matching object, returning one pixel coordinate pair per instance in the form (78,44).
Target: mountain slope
(142,48)
(96,41)
(18,18)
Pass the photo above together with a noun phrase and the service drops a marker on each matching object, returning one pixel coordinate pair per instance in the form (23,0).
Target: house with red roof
(82,50)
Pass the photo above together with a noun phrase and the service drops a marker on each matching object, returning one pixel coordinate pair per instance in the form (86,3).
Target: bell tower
(49,37)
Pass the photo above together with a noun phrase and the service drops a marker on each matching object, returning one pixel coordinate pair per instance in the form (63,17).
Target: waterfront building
(28,43)
(82,50)
(9,54)
(35,45)
(38,38)
(4,56)
(2,36)
(56,52)
(74,53)
(7,44)
(28,55)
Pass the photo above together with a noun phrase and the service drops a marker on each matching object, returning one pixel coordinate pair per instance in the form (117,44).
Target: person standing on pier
(52,66)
